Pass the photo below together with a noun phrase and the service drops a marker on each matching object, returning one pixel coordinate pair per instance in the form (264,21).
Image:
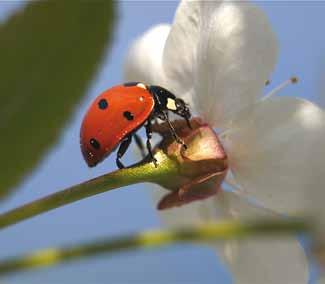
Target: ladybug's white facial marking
(140,85)
(171,104)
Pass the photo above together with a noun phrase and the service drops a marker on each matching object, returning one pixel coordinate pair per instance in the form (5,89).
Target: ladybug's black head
(182,108)
(167,101)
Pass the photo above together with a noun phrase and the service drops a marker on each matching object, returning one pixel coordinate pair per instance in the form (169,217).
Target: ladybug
(116,114)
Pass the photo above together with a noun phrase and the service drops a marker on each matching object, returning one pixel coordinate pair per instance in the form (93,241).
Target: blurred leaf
(49,52)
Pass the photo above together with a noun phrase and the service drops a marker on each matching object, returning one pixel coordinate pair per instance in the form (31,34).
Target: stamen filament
(277,89)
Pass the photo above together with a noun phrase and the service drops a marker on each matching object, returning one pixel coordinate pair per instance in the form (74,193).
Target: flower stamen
(292,80)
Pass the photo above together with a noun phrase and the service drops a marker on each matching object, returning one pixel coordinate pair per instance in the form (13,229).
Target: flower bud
(201,165)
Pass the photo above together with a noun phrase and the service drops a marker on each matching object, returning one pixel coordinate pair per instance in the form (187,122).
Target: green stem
(145,172)
(154,239)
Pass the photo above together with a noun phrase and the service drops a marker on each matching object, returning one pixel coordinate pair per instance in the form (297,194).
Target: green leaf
(49,52)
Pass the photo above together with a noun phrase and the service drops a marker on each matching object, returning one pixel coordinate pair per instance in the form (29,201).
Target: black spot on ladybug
(102,104)
(128,115)
(93,142)
(130,84)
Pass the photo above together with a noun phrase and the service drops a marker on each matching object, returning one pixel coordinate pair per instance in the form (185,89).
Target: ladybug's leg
(122,149)
(139,143)
(149,136)
(173,131)
(188,122)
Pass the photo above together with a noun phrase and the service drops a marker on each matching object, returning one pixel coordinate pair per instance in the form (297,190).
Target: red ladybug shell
(114,114)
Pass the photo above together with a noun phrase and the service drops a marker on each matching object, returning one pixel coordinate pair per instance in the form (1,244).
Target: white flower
(217,56)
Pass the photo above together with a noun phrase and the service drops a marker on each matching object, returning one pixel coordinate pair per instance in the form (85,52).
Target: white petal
(267,261)
(315,209)
(237,52)
(277,152)
(144,59)
(251,261)
(180,49)
(260,260)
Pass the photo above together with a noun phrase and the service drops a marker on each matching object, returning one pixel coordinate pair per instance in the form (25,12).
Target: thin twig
(154,239)
(144,172)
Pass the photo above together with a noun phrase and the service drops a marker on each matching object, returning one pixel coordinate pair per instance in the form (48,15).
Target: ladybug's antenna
(292,80)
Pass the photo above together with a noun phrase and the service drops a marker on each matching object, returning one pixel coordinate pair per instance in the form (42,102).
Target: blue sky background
(299,26)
